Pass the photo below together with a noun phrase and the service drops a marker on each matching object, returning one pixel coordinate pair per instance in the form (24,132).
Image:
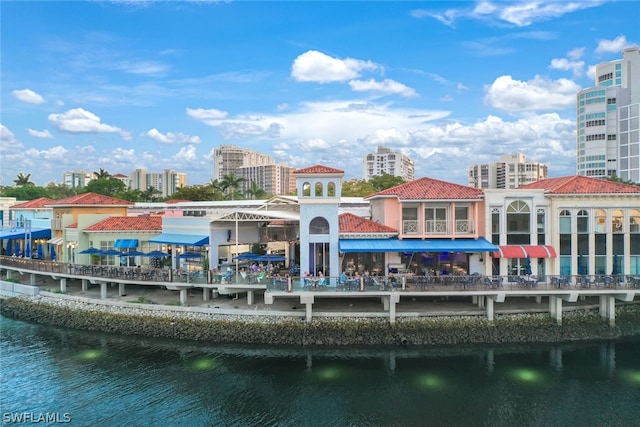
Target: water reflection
(99,378)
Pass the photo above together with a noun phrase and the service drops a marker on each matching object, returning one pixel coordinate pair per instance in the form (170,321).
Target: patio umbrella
(246,256)
(186,255)
(156,254)
(90,251)
(110,252)
(27,251)
(132,253)
(270,258)
(527,266)
(615,270)
(53,253)
(17,246)
(40,251)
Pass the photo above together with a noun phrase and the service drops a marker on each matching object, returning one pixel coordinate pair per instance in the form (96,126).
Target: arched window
(319,225)
(331,189)
(319,190)
(583,221)
(306,189)
(601,221)
(565,222)
(518,223)
(634,221)
(617,221)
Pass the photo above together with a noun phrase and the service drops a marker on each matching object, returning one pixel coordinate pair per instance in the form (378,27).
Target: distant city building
(272,179)
(510,171)
(77,179)
(228,159)
(167,183)
(390,162)
(607,117)
(122,177)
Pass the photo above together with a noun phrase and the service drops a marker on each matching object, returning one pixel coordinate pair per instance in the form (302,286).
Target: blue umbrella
(246,256)
(190,255)
(270,258)
(40,252)
(132,253)
(110,252)
(53,253)
(156,254)
(27,251)
(90,251)
(17,245)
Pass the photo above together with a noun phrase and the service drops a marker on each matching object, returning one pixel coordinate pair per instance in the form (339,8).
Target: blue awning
(126,243)
(18,233)
(180,239)
(413,245)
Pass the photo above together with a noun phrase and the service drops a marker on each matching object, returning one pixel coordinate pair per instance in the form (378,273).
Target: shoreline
(272,328)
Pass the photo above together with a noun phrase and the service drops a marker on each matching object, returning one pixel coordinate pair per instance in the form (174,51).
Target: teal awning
(18,233)
(414,245)
(180,239)
(126,243)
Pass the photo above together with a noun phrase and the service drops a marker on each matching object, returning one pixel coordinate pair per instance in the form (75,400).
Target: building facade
(607,119)
(390,162)
(228,159)
(510,171)
(166,183)
(271,178)
(77,179)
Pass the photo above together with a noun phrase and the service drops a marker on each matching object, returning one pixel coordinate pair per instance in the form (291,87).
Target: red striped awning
(522,251)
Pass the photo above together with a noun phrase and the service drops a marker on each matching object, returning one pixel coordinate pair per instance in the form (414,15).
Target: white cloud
(576,67)
(148,68)
(460,87)
(40,133)
(29,96)
(172,138)
(385,87)
(206,114)
(79,120)
(535,95)
(612,46)
(576,53)
(314,66)
(591,72)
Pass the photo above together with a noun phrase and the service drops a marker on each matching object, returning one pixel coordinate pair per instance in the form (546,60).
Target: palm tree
(102,174)
(217,192)
(255,192)
(150,194)
(23,180)
(231,184)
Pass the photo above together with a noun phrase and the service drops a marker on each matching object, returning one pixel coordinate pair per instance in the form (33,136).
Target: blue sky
(158,85)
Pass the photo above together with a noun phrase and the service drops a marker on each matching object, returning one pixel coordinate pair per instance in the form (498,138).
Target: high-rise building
(77,179)
(227,159)
(607,119)
(167,182)
(272,179)
(390,162)
(510,171)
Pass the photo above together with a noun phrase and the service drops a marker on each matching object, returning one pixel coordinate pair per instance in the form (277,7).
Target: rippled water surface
(99,379)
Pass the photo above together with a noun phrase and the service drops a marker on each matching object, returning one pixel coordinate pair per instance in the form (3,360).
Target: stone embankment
(165,322)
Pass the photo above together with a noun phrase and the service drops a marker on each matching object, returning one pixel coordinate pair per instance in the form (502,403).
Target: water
(99,380)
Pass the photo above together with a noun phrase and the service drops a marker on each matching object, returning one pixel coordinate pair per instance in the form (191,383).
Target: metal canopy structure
(257,216)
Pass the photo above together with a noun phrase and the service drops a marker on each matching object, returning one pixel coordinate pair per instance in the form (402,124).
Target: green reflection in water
(203,364)
(90,354)
(527,376)
(431,381)
(329,373)
(629,375)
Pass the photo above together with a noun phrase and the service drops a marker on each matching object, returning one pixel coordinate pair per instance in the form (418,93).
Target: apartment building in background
(608,120)
(510,171)
(273,179)
(384,160)
(167,182)
(228,159)
(77,178)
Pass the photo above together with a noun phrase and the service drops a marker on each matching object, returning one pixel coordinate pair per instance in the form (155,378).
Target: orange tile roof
(578,184)
(119,175)
(34,204)
(350,223)
(128,223)
(90,199)
(430,189)
(317,169)
(72,225)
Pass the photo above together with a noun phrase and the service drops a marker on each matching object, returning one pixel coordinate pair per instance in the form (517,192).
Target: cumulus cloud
(172,138)
(29,96)
(538,94)
(519,14)
(576,67)
(206,114)
(612,46)
(40,133)
(314,66)
(79,120)
(385,87)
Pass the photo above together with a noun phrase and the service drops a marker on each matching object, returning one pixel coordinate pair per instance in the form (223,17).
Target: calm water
(99,379)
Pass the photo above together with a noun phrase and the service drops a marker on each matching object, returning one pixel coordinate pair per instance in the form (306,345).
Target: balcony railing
(465,226)
(437,226)
(410,227)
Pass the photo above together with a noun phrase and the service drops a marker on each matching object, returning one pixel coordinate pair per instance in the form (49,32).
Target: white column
(121,289)
(63,285)
(183,297)
(85,285)
(250,297)
(489,302)
(32,279)
(103,290)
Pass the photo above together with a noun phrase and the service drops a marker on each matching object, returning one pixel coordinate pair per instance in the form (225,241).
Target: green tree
(384,181)
(357,188)
(231,185)
(151,194)
(255,192)
(102,174)
(106,186)
(195,193)
(217,193)
(615,178)
(23,180)
(59,191)
(29,192)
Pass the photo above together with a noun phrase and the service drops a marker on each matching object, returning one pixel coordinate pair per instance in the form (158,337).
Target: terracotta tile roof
(350,223)
(72,225)
(177,201)
(317,169)
(128,223)
(430,189)
(34,204)
(578,184)
(119,175)
(91,199)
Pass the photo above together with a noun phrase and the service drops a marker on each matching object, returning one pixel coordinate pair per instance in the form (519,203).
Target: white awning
(55,240)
